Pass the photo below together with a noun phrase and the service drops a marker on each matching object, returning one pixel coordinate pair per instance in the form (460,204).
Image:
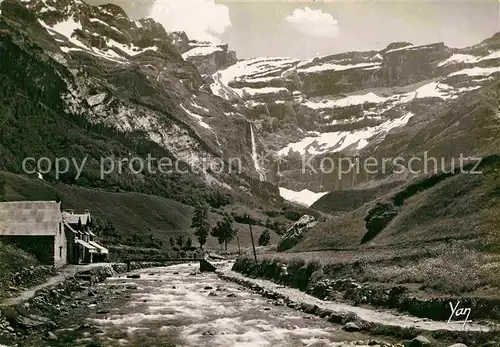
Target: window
(60,251)
(60,229)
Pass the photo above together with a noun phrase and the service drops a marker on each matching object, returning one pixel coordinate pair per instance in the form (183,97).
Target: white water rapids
(172,307)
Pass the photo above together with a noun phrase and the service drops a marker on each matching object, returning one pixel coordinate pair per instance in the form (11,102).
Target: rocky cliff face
(349,104)
(282,117)
(131,76)
(209,58)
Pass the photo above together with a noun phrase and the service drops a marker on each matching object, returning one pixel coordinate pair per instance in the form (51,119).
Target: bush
(264,238)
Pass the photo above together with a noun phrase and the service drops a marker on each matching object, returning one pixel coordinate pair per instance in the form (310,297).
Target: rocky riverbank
(308,278)
(62,304)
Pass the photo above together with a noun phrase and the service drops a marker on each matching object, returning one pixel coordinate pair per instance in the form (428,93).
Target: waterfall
(255,158)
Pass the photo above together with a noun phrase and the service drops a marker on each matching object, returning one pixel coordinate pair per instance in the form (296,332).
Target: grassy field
(19,269)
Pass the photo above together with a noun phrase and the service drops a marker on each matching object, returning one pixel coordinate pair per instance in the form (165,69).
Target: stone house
(54,237)
(37,228)
(82,247)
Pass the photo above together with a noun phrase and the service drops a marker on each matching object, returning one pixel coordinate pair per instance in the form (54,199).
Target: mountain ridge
(207,106)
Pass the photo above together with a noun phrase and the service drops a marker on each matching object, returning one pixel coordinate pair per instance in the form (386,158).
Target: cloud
(201,19)
(313,22)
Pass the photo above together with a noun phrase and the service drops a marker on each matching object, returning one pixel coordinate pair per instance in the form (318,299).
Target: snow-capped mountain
(346,104)
(340,102)
(131,76)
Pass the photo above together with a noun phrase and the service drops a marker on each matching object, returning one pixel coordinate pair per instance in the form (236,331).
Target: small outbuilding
(37,228)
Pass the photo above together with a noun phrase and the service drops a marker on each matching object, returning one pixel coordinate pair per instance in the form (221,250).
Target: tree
(172,242)
(201,225)
(264,238)
(189,243)
(106,228)
(179,241)
(224,231)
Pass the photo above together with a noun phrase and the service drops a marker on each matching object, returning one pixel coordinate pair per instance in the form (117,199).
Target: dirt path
(66,272)
(383,317)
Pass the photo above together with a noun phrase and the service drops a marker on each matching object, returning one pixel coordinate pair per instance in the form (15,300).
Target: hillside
(69,98)
(426,210)
(132,213)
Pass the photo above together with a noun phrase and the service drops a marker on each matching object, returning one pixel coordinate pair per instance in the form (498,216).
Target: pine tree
(189,243)
(180,241)
(201,225)
(265,238)
(224,231)
(172,243)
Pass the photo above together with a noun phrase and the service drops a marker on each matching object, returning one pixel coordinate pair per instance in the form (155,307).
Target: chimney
(87,211)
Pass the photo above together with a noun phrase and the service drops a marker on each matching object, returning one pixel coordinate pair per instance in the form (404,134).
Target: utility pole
(251,237)
(238,239)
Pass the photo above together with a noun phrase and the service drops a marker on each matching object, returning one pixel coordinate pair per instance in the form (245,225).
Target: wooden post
(238,239)
(251,237)
(128,265)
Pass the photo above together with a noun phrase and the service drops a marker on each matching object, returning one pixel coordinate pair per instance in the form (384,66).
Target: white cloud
(201,19)
(313,22)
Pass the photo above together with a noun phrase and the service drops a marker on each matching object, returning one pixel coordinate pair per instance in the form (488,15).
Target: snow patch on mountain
(259,91)
(399,49)
(468,58)
(304,197)
(200,51)
(65,28)
(130,50)
(197,116)
(97,20)
(430,90)
(337,141)
(336,67)
(477,71)
(248,70)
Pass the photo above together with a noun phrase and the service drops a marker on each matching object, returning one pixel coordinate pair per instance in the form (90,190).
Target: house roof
(72,218)
(29,218)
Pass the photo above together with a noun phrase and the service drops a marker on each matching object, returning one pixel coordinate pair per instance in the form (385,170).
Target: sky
(304,29)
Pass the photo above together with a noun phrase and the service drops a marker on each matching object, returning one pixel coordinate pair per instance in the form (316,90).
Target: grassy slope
(19,269)
(130,211)
(351,199)
(13,259)
(444,238)
(463,206)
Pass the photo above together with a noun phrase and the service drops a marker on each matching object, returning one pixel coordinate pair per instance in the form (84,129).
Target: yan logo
(458,312)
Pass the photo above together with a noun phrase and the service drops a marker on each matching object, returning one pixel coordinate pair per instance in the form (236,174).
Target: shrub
(264,238)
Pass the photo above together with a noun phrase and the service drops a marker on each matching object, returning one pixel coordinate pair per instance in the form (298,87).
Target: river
(179,306)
